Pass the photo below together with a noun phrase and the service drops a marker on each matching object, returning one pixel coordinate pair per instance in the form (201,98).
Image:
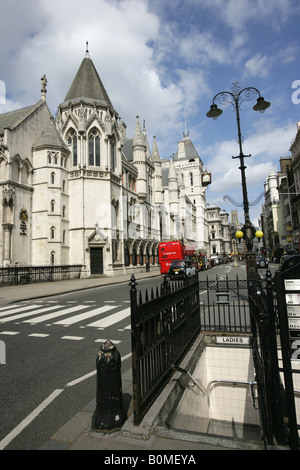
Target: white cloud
(237,13)
(202,47)
(153,62)
(119,34)
(258,66)
(266,147)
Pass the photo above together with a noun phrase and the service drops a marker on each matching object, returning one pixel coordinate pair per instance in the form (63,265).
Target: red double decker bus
(170,251)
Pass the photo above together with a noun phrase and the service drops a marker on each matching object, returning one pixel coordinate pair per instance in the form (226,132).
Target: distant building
(219,231)
(294,188)
(280,220)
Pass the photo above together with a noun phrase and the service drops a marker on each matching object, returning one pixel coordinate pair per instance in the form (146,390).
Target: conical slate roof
(50,139)
(87,84)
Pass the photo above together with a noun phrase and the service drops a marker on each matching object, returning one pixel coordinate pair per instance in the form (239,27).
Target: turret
(173,191)
(139,159)
(158,194)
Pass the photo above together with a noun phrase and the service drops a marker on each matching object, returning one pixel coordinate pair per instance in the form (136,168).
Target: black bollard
(109,414)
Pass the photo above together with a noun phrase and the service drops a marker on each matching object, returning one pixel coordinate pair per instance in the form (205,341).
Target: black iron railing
(14,275)
(224,305)
(265,358)
(163,326)
(288,292)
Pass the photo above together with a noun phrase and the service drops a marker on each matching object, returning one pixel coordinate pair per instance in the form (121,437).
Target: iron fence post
(286,362)
(276,401)
(110,413)
(135,347)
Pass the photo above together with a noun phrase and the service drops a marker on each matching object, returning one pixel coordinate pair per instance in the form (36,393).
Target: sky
(165,60)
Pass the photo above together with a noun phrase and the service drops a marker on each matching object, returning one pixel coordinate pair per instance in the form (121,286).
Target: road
(51,347)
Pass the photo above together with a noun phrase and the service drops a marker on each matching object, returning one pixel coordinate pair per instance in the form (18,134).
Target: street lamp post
(235,97)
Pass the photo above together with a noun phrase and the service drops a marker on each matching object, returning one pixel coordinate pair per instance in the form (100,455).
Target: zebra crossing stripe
(15,310)
(39,335)
(7,308)
(27,314)
(84,316)
(38,314)
(111,319)
(74,338)
(56,314)
(9,333)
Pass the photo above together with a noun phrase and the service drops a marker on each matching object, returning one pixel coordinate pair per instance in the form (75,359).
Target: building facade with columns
(76,190)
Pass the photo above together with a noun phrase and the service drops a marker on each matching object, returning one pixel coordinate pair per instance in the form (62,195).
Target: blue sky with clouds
(160,59)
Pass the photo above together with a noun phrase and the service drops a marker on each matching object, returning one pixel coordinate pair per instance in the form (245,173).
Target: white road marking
(84,316)
(126,357)
(75,338)
(56,314)
(18,309)
(8,307)
(81,379)
(27,314)
(39,335)
(111,319)
(91,374)
(11,333)
(17,430)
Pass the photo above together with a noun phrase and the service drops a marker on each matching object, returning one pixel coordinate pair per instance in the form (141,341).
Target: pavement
(150,435)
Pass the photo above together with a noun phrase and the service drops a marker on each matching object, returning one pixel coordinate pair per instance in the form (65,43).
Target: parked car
(181,269)
(289,262)
(216,259)
(261,262)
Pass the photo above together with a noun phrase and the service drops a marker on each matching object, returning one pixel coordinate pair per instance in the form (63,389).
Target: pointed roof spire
(155,152)
(87,83)
(146,140)
(138,136)
(186,133)
(87,54)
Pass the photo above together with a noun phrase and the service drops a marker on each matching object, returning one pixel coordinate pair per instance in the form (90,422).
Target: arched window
(113,161)
(94,148)
(72,140)
(52,233)
(64,211)
(64,237)
(52,257)
(52,205)
(52,178)
(192,179)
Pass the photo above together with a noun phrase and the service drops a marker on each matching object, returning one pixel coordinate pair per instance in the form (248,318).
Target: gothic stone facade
(76,190)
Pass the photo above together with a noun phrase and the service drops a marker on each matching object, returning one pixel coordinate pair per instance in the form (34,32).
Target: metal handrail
(251,384)
(184,371)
